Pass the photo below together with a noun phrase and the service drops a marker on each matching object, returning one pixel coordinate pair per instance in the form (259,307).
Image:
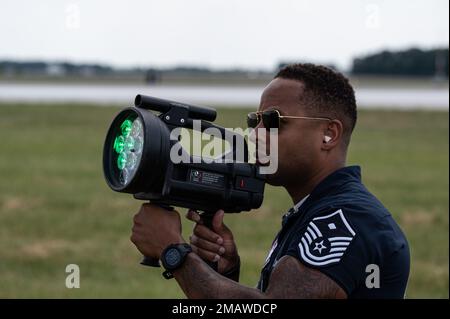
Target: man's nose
(259,135)
(255,134)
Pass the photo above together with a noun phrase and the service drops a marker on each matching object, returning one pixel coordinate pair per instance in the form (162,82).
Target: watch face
(172,257)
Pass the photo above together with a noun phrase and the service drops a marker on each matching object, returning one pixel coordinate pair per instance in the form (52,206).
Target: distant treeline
(13,68)
(26,69)
(40,67)
(412,62)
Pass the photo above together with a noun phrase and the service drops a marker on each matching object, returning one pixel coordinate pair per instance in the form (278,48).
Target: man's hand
(154,229)
(216,245)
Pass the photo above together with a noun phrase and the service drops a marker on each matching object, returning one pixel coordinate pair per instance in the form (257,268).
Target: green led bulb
(119,143)
(122,160)
(126,127)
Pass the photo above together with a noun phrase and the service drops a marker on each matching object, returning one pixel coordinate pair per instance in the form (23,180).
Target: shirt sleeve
(330,244)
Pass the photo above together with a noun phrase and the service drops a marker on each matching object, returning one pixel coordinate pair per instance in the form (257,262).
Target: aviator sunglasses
(272,118)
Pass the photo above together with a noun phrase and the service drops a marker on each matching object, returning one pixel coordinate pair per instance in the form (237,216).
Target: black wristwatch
(173,257)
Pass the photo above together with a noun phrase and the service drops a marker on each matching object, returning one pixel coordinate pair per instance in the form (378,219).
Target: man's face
(299,141)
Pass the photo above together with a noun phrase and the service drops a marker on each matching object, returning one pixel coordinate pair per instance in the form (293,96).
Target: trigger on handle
(207,218)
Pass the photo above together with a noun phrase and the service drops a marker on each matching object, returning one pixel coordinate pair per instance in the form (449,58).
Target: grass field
(55,208)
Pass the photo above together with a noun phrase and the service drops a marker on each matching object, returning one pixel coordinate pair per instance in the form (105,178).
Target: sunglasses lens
(252,120)
(271,119)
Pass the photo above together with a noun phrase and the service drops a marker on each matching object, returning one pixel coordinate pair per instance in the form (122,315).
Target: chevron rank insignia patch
(326,239)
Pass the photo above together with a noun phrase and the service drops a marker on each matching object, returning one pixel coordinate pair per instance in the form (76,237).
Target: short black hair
(326,92)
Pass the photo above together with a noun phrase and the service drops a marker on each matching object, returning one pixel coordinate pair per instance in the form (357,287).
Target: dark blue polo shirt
(345,232)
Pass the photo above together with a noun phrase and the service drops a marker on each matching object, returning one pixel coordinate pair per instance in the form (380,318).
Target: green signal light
(122,160)
(119,144)
(127,147)
(126,127)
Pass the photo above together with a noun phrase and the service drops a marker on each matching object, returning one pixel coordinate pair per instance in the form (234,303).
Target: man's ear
(332,134)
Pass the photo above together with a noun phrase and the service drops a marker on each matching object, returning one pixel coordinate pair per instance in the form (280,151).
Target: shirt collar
(333,181)
(293,210)
(300,203)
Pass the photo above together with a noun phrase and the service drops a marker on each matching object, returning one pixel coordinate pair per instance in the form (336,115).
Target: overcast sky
(218,34)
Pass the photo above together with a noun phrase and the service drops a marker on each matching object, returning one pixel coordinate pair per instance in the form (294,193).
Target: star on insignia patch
(326,239)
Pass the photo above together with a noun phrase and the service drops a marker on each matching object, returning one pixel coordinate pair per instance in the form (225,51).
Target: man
(338,241)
